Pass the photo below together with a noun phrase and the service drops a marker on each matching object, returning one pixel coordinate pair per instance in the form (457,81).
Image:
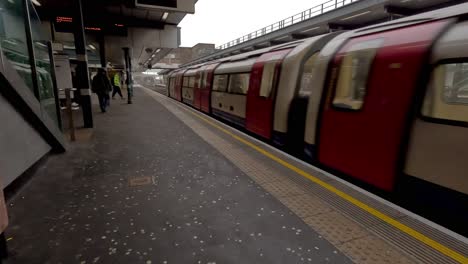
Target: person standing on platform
(101,86)
(117,84)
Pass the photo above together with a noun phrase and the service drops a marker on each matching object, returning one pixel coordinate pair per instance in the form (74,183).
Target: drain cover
(139,181)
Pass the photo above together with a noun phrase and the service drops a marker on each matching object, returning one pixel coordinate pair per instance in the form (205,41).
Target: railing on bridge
(304,15)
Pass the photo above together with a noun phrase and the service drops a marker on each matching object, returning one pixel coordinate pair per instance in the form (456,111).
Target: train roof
(256,53)
(236,66)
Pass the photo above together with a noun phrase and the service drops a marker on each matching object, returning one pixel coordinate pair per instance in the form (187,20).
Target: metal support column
(128,69)
(82,66)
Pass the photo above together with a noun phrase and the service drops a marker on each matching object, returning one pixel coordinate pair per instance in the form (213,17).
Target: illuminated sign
(62,19)
(93,28)
(67,24)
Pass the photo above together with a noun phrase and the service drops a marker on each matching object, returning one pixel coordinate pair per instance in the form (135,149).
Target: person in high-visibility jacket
(116,84)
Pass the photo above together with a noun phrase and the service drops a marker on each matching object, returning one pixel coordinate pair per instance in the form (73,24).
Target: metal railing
(304,15)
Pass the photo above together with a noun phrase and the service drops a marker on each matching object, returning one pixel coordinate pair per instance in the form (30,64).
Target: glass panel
(306,78)
(268,76)
(191,81)
(41,54)
(13,41)
(185,81)
(239,83)
(220,83)
(353,74)
(447,95)
(456,83)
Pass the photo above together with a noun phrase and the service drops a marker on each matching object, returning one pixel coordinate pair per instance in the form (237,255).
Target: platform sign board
(183,6)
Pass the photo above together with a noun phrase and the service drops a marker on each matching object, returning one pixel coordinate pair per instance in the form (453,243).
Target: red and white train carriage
(386,104)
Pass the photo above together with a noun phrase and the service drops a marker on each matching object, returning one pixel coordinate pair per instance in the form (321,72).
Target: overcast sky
(220,21)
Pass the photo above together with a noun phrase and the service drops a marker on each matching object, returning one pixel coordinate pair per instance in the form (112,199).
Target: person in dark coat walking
(101,86)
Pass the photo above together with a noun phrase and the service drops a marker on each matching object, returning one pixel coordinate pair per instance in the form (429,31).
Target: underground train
(385,105)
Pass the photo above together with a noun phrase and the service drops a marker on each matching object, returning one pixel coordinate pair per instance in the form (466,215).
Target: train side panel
(363,121)
(293,78)
(261,93)
(178,85)
(205,92)
(317,91)
(188,86)
(438,145)
(229,90)
(230,107)
(197,89)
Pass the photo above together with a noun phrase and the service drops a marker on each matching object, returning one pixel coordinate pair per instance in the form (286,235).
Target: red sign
(93,28)
(61,19)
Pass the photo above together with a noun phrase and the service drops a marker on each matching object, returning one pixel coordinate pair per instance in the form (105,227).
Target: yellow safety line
(389,220)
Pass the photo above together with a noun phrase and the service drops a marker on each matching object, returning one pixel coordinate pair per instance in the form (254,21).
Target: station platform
(157,182)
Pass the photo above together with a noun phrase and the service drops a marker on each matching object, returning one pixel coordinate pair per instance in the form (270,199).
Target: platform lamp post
(128,69)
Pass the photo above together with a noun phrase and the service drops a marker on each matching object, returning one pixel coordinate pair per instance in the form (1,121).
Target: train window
(306,78)
(220,82)
(185,82)
(447,95)
(354,71)
(268,76)
(239,83)
(191,81)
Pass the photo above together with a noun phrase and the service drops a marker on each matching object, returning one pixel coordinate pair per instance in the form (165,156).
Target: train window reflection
(353,75)
(447,95)
(239,83)
(306,78)
(185,81)
(220,82)
(456,83)
(191,81)
(268,76)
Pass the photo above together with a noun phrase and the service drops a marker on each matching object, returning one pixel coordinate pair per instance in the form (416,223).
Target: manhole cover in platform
(139,181)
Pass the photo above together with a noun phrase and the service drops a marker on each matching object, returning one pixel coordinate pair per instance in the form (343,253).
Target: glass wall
(14,46)
(43,68)
(13,42)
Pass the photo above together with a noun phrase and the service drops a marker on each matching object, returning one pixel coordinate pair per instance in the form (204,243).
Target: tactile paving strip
(373,250)
(382,246)
(306,205)
(340,232)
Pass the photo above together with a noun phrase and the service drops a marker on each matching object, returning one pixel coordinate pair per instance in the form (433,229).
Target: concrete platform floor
(144,188)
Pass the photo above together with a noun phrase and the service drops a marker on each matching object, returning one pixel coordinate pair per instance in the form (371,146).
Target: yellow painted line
(389,220)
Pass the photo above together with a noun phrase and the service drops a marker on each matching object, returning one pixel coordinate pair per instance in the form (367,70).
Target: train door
(196,90)
(178,85)
(364,117)
(205,92)
(171,87)
(261,94)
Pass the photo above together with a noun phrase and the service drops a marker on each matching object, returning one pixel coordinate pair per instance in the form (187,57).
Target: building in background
(183,55)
